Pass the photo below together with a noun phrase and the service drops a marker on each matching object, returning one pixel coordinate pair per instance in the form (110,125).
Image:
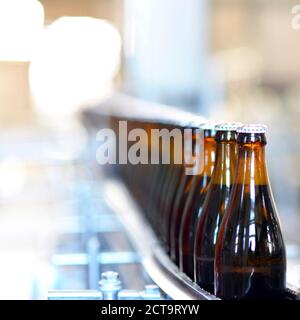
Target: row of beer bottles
(219,224)
(230,240)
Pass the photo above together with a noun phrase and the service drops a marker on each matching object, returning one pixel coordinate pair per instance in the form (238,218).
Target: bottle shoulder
(251,222)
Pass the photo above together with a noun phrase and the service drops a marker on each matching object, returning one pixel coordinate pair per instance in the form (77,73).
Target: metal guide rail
(129,108)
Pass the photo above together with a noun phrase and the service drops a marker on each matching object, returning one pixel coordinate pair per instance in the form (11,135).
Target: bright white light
(21,22)
(75,64)
(12,177)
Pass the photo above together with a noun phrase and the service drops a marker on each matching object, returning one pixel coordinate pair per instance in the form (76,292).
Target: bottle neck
(209,155)
(204,158)
(226,156)
(251,167)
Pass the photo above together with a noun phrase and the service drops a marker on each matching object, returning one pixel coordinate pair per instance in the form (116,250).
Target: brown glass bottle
(250,253)
(192,190)
(191,147)
(153,176)
(146,170)
(156,189)
(170,183)
(136,180)
(210,217)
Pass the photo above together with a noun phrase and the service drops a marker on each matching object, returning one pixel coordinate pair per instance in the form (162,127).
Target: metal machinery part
(110,288)
(148,252)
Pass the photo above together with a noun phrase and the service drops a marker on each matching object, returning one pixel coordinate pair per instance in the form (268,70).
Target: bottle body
(192,207)
(216,201)
(184,191)
(176,181)
(190,171)
(250,253)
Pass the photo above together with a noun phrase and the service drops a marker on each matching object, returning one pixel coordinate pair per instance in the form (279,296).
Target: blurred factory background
(231,60)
